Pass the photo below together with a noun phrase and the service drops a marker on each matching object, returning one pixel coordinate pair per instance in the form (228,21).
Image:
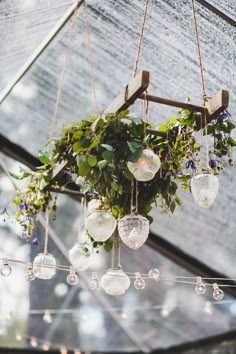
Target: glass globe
(72,279)
(40,263)
(218,294)
(78,257)
(6,269)
(200,289)
(133,230)
(100,224)
(146,167)
(139,282)
(154,274)
(115,282)
(204,187)
(94,283)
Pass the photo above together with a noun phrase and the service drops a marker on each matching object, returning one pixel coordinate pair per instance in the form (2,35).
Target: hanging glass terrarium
(78,256)
(146,167)
(100,224)
(115,282)
(204,187)
(44,266)
(133,230)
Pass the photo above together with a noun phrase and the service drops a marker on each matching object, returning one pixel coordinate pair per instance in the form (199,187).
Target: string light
(218,294)
(208,308)
(18,337)
(72,278)
(94,283)
(8,316)
(124,316)
(6,269)
(154,274)
(29,274)
(63,350)
(47,317)
(200,288)
(139,283)
(33,342)
(46,347)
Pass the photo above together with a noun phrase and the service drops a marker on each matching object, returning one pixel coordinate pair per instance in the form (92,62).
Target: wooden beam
(131,92)
(217,104)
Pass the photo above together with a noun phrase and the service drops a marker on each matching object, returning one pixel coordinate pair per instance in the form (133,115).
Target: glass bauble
(40,264)
(115,282)
(204,187)
(146,167)
(78,257)
(133,230)
(100,224)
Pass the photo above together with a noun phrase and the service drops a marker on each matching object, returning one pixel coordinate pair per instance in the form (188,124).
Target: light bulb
(46,347)
(47,317)
(18,337)
(78,257)
(94,283)
(208,308)
(218,294)
(8,316)
(133,230)
(33,342)
(139,282)
(115,282)
(63,350)
(146,167)
(72,278)
(165,312)
(204,187)
(44,266)
(29,274)
(200,288)
(154,274)
(6,269)
(100,224)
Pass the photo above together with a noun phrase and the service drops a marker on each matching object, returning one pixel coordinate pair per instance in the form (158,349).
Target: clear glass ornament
(94,283)
(72,279)
(78,257)
(115,282)
(40,264)
(204,187)
(47,317)
(29,274)
(200,288)
(100,224)
(133,230)
(6,269)
(218,294)
(139,282)
(154,274)
(146,167)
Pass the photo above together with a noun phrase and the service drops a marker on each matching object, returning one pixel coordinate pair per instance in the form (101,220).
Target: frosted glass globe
(42,260)
(78,257)
(204,187)
(115,282)
(133,230)
(100,224)
(146,167)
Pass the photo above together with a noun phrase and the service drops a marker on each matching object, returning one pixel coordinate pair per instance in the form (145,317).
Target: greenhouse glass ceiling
(163,315)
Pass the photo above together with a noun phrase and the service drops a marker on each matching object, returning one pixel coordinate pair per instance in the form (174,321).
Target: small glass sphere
(40,264)
(78,257)
(72,278)
(94,283)
(133,230)
(204,187)
(154,274)
(47,317)
(100,224)
(200,289)
(139,282)
(6,269)
(29,274)
(218,294)
(115,282)
(146,167)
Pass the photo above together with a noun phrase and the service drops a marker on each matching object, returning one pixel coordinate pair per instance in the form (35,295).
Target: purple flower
(222,116)
(35,242)
(180,174)
(23,235)
(212,163)
(23,206)
(190,164)
(23,226)
(168,174)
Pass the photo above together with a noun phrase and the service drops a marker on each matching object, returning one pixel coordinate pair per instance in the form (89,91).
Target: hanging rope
(62,78)
(140,38)
(204,95)
(90,58)
(46,234)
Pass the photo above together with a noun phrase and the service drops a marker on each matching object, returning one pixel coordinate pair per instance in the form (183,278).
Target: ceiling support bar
(216,11)
(36,54)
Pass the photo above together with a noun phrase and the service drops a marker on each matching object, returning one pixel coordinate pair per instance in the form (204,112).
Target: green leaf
(102,164)
(134,145)
(231,126)
(163,128)
(44,157)
(77,148)
(135,156)
(107,147)
(78,134)
(231,141)
(108,155)
(107,246)
(84,170)
(124,114)
(92,161)
(172,207)
(81,159)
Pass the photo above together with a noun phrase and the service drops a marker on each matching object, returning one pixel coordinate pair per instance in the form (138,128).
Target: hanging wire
(90,58)
(62,78)
(136,197)
(141,38)
(46,233)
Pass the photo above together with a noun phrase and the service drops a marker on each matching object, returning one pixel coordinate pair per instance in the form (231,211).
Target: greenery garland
(97,151)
